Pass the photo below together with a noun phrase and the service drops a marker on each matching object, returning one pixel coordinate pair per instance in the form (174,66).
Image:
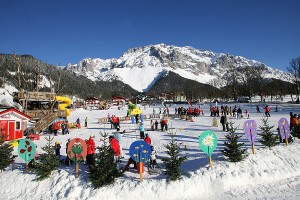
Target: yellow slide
(67,101)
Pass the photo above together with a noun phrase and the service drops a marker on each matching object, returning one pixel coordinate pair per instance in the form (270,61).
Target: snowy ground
(269,174)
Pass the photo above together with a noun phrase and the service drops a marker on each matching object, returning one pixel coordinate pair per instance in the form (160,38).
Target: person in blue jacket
(142,130)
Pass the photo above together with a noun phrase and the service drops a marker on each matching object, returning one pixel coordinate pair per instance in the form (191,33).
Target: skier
(257,109)
(57,149)
(114,144)
(156,125)
(164,124)
(91,148)
(85,122)
(66,128)
(222,121)
(67,160)
(267,111)
(130,161)
(152,125)
(142,130)
(294,122)
(137,118)
(63,127)
(118,135)
(153,162)
(78,123)
(147,139)
(55,128)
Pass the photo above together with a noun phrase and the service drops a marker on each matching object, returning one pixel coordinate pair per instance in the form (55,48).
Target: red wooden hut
(13,123)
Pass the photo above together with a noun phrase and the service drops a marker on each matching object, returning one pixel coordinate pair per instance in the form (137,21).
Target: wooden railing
(151,116)
(43,123)
(44,118)
(36,114)
(50,96)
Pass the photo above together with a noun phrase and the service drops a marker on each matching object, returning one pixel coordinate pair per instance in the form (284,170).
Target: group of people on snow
(115,142)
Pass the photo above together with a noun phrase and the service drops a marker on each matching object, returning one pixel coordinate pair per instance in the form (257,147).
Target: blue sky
(66,31)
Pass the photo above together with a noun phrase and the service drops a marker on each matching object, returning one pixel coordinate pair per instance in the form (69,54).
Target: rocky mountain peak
(140,67)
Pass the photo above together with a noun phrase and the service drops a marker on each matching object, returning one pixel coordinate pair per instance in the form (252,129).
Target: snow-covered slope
(268,174)
(141,67)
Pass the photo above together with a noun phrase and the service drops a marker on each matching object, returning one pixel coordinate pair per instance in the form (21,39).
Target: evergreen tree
(105,171)
(233,151)
(5,153)
(267,137)
(47,161)
(174,161)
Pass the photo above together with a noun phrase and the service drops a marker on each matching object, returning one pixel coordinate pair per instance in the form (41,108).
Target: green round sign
(208,142)
(26,150)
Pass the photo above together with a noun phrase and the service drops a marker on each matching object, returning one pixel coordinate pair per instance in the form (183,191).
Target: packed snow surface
(268,174)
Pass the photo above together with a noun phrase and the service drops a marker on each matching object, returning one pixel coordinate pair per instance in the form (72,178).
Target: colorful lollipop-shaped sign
(250,129)
(140,152)
(26,150)
(77,151)
(208,142)
(284,129)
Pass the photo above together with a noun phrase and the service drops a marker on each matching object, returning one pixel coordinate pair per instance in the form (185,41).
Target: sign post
(284,129)
(140,152)
(26,150)
(250,129)
(77,151)
(208,142)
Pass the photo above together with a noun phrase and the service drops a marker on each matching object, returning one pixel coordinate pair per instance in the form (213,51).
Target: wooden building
(13,123)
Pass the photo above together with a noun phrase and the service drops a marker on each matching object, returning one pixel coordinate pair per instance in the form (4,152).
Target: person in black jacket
(222,121)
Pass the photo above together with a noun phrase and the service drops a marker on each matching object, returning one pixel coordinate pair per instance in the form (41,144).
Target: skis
(154,170)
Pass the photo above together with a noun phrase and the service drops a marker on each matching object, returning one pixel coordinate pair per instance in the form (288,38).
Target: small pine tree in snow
(6,150)
(47,162)
(267,137)
(105,170)
(233,151)
(174,161)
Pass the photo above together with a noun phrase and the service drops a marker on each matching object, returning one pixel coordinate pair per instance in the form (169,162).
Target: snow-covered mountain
(141,67)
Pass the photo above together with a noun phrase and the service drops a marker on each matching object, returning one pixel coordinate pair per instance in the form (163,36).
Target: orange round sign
(77,150)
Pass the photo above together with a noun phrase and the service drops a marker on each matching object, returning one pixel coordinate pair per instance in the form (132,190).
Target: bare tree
(294,69)
(253,76)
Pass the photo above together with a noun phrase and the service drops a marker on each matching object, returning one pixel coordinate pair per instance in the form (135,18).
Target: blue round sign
(140,151)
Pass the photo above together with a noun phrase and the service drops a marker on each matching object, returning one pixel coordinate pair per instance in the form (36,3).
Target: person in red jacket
(147,139)
(267,111)
(55,128)
(91,149)
(114,144)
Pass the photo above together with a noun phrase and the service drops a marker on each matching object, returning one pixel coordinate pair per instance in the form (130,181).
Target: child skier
(67,160)
(153,162)
(147,139)
(78,123)
(142,130)
(57,149)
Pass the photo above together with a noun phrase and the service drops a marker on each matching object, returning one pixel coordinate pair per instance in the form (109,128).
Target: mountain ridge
(141,67)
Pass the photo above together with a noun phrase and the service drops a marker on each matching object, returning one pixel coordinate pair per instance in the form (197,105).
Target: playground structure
(133,110)
(66,103)
(43,108)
